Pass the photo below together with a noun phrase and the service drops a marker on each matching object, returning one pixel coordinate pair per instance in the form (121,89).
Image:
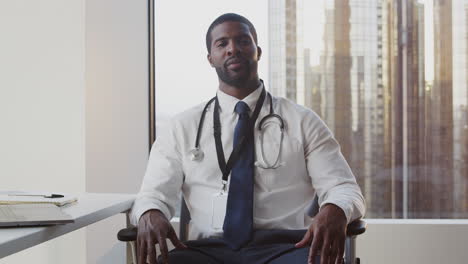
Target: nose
(232,48)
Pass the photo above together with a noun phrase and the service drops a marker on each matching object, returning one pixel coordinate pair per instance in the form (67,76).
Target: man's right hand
(154,228)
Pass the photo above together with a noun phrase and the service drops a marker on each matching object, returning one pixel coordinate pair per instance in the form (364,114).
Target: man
(264,204)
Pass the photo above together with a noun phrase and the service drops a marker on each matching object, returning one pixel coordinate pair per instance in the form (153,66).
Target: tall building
(336,63)
(352,90)
(440,125)
(312,79)
(417,116)
(414,111)
(405,108)
(286,66)
(373,96)
(460,107)
(405,137)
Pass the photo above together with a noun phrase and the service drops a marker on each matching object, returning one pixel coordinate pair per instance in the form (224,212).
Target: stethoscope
(196,154)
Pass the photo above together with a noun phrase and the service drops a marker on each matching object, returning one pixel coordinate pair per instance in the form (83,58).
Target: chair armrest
(127,234)
(356,227)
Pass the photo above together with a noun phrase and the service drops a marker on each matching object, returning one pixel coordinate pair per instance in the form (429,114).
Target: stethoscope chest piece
(196,154)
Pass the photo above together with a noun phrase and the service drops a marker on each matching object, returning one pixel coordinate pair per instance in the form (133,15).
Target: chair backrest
(184,221)
(314,207)
(185,216)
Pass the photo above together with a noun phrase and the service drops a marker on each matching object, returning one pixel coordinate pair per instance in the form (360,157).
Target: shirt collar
(229,102)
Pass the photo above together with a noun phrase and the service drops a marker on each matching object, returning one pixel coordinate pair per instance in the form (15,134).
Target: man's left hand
(326,235)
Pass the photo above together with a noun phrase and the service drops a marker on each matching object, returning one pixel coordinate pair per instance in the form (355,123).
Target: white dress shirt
(311,158)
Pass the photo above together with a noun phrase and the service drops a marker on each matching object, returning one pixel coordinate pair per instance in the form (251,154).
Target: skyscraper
(373,96)
(336,70)
(353,94)
(312,79)
(414,111)
(460,109)
(405,137)
(286,57)
(440,124)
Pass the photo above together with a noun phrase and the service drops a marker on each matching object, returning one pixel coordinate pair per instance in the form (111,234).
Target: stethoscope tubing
(197,153)
(262,162)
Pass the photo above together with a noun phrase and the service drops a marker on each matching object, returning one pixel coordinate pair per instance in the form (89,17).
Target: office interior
(76,111)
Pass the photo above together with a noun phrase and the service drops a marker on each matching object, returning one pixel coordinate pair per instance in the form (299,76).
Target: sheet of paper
(10,198)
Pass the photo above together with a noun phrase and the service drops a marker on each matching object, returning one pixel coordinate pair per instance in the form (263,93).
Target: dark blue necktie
(238,223)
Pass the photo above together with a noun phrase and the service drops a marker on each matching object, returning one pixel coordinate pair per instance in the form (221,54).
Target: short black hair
(229,17)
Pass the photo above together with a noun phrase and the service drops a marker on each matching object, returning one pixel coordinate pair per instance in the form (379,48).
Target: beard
(235,80)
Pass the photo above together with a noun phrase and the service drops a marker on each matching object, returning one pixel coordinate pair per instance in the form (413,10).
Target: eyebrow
(224,38)
(219,39)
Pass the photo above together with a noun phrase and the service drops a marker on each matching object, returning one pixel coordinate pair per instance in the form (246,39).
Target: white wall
(74,110)
(42,118)
(414,241)
(117,139)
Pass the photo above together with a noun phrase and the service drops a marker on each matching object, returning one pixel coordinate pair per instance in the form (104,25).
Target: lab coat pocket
(280,162)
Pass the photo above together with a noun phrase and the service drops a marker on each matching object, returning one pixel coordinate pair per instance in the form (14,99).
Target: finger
(175,240)
(333,253)
(164,251)
(314,249)
(341,248)
(141,246)
(325,253)
(152,253)
(305,240)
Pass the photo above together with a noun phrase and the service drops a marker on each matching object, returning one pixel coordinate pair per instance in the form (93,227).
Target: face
(234,53)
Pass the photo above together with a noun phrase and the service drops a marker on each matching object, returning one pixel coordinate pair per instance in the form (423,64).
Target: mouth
(234,64)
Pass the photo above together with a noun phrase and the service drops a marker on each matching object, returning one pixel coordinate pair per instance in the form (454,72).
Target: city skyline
(399,126)
(201,75)
(403,135)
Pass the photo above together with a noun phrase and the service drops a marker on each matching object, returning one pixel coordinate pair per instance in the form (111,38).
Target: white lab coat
(311,156)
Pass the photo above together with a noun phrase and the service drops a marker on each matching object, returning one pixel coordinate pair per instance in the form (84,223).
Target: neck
(240,92)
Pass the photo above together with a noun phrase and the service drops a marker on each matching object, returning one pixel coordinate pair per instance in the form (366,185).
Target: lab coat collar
(229,102)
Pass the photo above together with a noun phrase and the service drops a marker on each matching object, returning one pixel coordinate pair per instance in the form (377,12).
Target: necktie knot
(242,108)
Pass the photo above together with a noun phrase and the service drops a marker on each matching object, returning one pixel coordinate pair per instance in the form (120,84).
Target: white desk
(90,208)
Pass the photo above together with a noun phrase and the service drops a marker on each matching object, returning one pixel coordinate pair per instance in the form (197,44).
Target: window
(183,76)
(406,138)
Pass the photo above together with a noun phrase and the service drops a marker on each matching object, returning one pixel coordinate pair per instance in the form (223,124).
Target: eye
(245,41)
(221,43)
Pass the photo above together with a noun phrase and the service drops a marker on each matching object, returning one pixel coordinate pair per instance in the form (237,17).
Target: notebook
(12,199)
(12,215)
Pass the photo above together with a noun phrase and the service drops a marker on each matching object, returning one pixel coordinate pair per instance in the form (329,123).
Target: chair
(354,229)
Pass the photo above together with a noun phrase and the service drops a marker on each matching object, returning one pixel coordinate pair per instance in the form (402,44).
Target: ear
(209,60)
(259,52)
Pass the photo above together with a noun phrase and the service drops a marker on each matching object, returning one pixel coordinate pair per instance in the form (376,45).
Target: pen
(53,195)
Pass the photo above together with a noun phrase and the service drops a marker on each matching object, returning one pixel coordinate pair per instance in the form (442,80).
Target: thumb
(306,239)
(175,240)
